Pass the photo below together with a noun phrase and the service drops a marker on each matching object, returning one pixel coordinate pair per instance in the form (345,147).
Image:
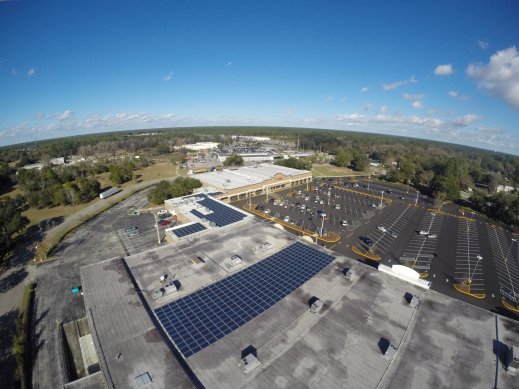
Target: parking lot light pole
(416,201)
(369,178)
(382,199)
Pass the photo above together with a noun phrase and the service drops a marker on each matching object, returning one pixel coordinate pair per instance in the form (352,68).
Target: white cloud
(64,116)
(444,70)
(466,120)
(229,63)
(417,104)
(397,84)
(364,89)
(31,72)
(483,45)
(408,96)
(456,95)
(167,77)
(500,77)
(383,109)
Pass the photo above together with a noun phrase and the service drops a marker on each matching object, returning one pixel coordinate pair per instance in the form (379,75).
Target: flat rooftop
(441,343)
(250,175)
(204,213)
(127,341)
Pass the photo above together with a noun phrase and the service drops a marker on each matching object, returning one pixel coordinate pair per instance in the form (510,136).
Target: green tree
(233,160)
(343,157)
(163,148)
(360,161)
(164,190)
(300,164)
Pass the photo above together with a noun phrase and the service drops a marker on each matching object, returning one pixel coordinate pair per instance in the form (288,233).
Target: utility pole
(416,201)
(382,199)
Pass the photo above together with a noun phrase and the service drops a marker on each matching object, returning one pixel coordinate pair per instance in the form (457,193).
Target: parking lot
(506,263)
(462,257)
(421,249)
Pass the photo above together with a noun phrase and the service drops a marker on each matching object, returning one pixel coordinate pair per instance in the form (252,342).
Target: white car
(432,236)
(382,228)
(344,223)
(286,219)
(267,211)
(337,206)
(422,232)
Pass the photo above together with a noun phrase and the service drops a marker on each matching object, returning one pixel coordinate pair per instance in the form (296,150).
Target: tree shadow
(7,359)
(12,280)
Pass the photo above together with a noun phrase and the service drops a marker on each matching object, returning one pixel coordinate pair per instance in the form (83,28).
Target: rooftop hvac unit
(249,363)
(512,361)
(349,274)
(316,306)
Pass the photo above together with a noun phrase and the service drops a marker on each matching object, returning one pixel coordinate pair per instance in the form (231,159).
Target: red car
(163,223)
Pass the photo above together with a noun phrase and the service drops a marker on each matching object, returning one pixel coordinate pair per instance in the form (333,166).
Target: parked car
(366,240)
(422,232)
(392,234)
(432,236)
(164,223)
(131,229)
(344,223)
(267,211)
(287,219)
(382,228)
(337,206)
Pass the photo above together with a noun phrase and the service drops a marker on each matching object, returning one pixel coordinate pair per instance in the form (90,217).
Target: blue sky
(438,70)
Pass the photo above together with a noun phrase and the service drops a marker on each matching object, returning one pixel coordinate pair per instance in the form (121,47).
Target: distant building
(251,138)
(37,166)
(57,161)
(261,179)
(201,146)
(251,157)
(505,189)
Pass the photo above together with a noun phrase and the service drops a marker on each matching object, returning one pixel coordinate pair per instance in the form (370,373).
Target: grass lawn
(330,170)
(158,170)
(37,215)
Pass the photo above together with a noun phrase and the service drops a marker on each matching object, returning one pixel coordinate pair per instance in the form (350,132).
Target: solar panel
(188,230)
(222,215)
(201,318)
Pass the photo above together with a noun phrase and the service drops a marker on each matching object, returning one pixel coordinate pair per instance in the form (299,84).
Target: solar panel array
(201,318)
(188,230)
(222,214)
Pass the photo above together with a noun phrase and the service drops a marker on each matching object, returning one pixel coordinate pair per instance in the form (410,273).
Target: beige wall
(279,181)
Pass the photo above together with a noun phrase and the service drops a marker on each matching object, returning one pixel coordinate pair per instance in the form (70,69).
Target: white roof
(244,176)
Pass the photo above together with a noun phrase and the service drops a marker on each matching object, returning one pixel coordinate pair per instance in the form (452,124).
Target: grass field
(160,169)
(37,215)
(331,171)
